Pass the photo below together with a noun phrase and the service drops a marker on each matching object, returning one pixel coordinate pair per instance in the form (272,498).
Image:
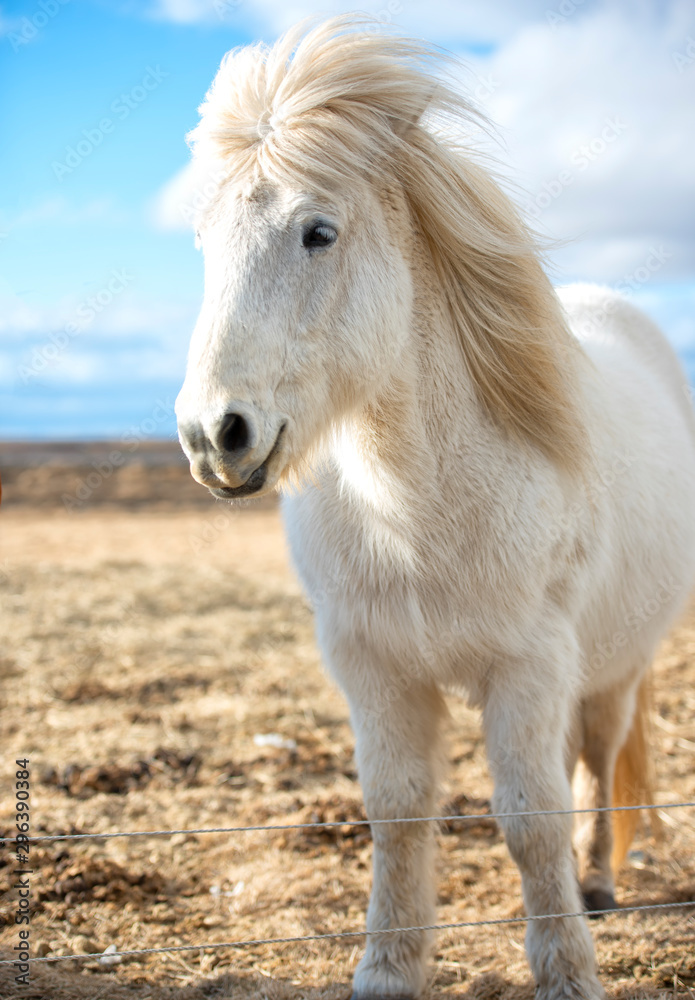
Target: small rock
(110,956)
(274,740)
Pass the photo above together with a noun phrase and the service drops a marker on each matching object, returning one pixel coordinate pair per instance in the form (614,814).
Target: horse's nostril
(235,434)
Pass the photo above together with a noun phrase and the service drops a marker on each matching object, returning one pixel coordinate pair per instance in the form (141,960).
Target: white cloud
(595,114)
(96,314)
(441,20)
(594,107)
(77,342)
(59,211)
(175,206)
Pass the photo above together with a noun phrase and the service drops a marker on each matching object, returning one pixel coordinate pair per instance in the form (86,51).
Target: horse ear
(410,116)
(402,125)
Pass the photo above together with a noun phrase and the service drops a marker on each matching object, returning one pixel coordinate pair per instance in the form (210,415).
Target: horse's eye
(318,235)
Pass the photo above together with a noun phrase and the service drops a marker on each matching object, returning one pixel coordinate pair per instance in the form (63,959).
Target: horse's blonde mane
(343,102)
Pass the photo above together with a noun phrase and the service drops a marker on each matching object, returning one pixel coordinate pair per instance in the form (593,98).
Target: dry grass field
(144,651)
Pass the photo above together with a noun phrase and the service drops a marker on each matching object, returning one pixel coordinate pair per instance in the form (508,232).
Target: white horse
(490,486)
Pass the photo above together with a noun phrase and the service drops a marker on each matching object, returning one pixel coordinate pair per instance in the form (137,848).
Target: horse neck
(411,444)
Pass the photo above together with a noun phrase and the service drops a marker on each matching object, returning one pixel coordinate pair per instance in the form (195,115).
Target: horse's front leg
(527,719)
(396,726)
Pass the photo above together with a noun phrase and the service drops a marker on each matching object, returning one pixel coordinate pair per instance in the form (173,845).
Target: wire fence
(214,945)
(275,828)
(113,956)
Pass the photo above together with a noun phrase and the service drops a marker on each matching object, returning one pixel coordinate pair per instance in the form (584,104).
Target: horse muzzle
(232,459)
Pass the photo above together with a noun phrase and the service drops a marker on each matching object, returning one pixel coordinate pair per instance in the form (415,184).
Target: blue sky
(99,279)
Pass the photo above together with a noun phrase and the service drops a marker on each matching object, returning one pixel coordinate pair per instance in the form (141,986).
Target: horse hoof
(598,899)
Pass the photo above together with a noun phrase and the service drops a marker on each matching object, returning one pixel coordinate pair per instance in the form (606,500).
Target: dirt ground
(144,652)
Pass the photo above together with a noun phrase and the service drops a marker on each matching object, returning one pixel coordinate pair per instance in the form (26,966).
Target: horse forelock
(327,103)
(342,104)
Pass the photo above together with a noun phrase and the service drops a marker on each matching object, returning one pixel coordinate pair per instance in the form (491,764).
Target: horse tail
(633,780)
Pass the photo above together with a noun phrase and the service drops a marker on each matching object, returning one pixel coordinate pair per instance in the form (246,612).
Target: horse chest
(405,602)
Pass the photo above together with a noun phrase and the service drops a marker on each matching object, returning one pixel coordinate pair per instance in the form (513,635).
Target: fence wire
(110,958)
(113,957)
(279,827)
